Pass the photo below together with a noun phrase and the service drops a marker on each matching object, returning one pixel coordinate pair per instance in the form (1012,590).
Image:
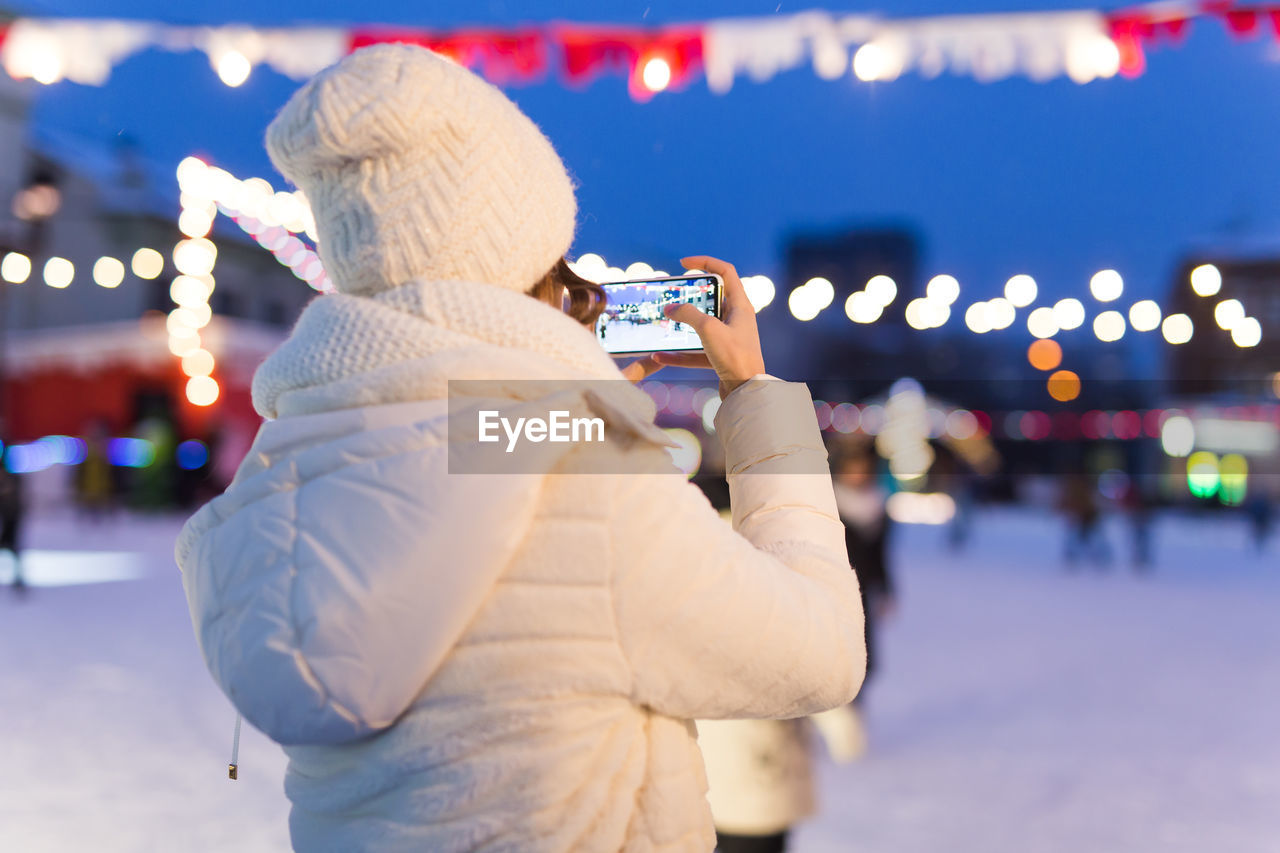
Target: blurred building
(1224,443)
(86,241)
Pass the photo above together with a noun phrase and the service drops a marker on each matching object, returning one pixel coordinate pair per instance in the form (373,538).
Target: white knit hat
(418,169)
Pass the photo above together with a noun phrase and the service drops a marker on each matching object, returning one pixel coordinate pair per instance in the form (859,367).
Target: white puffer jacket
(459,662)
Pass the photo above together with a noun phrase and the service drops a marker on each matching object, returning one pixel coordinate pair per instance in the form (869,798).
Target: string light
(1021,290)
(656,74)
(147,264)
(1042,322)
(108,272)
(760,291)
(1144,315)
(1227,313)
(1246,332)
(1069,313)
(1177,328)
(943,288)
(59,272)
(875,61)
(882,289)
(1109,326)
(1206,280)
(1106,285)
(202,390)
(233,68)
(15,268)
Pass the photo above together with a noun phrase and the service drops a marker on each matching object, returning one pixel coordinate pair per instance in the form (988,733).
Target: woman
(508,661)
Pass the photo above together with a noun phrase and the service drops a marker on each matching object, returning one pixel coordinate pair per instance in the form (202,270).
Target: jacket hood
(333,577)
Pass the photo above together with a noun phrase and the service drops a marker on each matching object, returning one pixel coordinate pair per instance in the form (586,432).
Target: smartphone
(633,322)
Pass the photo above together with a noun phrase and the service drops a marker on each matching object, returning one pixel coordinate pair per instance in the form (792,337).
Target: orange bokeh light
(1044,354)
(1064,385)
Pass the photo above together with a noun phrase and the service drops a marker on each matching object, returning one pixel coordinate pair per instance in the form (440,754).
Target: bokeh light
(15,268)
(147,264)
(108,272)
(882,289)
(943,288)
(1069,313)
(1042,322)
(1177,436)
(1144,315)
(1227,313)
(1106,285)
(1206,280)
(59,272)
(1177,328)
(1063,385)
(1246,332)
(1044,354)
(1109,326)
(1021,290)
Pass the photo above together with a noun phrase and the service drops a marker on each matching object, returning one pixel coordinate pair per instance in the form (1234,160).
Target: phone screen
(633,320)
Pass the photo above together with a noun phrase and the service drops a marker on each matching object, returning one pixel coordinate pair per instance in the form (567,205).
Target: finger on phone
(735,295)
(686,313)
(682,359)
(642,368)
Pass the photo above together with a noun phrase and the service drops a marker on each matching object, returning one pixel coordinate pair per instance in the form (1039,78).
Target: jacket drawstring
(233,768)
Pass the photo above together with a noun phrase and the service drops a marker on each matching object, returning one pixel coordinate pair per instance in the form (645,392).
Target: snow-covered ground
(1020,707)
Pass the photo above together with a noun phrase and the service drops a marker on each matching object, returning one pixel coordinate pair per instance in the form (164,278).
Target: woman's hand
(732,345)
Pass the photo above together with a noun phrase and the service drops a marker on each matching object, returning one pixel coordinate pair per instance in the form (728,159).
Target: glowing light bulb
(147,263)
(202,390)
(1144,316)
(1109,326)
(1247,332)
(976,318)
(1069,313)
(760,291)
(943,288)
(108,272)
(876,62)
(1177,328)
(58,272)
(233,68)
(15,268)
(1042,322)
(1206,280)
(1021,290)
(882,289)
(821,290)
(197,362)
(1106,285)
(656,74)
(1227,313)
(861,307)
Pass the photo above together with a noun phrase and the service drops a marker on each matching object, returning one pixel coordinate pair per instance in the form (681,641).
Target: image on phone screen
(633,320)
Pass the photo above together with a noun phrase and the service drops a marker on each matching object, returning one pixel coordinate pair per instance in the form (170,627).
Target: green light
(1202,474)
(1234,474)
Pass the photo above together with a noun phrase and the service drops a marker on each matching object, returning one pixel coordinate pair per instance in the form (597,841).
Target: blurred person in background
(760,774)
(12,510)
(513,661)
(861,501)
(1261,512)
(95,479)
(1137,508)
(1078,502)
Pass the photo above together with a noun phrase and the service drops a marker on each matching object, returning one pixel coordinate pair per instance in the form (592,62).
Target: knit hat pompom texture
(418,169)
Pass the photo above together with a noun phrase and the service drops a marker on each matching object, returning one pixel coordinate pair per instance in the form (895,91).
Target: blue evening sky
(1054,179)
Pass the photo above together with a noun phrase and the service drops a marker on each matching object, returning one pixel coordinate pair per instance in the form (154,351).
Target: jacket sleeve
(762,619)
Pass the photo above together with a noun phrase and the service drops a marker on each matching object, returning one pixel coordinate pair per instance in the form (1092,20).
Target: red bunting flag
(502,56)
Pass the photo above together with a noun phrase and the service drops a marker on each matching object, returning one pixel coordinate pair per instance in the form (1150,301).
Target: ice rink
(1021,708)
